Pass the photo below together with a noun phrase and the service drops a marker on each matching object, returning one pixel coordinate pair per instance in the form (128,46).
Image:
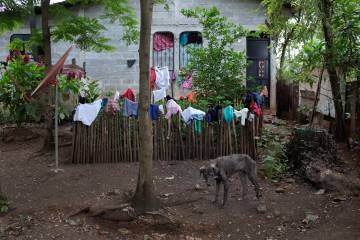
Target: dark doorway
(258,70)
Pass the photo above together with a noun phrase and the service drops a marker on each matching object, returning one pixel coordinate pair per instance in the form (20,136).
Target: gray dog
(227,166)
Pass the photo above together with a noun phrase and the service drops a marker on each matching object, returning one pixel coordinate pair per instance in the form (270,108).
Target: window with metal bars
(163,50)
(188,40)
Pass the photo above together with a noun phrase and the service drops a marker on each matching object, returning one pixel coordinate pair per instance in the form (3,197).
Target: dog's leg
(243,181)
(226,192)
(218,182)
(256,185)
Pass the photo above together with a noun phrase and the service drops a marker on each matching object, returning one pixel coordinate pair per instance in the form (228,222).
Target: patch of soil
(44,200)
(21,134)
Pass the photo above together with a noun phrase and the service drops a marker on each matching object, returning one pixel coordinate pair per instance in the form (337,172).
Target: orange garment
(191,97)
(152,78)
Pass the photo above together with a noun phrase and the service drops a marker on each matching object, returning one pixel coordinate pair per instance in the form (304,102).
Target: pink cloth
(112,107)
(163,41)
(187,82)
(172,108)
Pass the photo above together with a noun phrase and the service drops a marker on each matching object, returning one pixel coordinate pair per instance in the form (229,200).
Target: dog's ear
(202,170)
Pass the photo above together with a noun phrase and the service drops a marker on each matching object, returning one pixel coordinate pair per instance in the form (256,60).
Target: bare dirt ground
(44,200)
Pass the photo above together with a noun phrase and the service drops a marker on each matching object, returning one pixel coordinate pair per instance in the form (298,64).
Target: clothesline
(88,112)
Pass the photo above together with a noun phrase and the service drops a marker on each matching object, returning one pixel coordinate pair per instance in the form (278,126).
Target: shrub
(219,69)
(273,151)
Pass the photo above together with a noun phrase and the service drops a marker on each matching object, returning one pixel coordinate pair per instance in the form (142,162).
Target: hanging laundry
(228,114)
(191,97)
(172,108)
(87,113)
(129,94)
(173,76)
(191,113)
(251,117)
(163,41)
(187,82)
(154,112)
(130,108)
(159,94)
(161,109)
(103,103)
(162,77)
(241,114)
(213,114)
(152,78)
(254,108)
(112,107)
(197,126)
(179,79)
(117,96)
(184,39)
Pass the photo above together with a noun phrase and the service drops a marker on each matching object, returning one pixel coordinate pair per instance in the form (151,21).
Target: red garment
(152,78)
(163,41)
(254,108)
(129,94)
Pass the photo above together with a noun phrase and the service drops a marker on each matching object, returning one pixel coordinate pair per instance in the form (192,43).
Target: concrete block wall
(111,68)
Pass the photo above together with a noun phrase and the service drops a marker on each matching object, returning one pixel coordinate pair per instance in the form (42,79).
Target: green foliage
(91,90)
(309,58)
(20,79)
(5,116)
(17,81)
(84,32)
(4,204)
(13,18)
(301,23)
(273,151)
(304,110)
(218,68)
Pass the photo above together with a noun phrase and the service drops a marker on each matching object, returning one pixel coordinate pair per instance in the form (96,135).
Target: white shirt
(162,77)
(87,113)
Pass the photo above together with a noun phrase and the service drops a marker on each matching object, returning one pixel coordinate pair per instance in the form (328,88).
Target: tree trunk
(283,51)
(317,98)
(330,61)
(49,138)
(144,198)
(45,4)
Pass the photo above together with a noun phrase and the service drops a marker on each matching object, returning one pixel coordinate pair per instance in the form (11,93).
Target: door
(258,70)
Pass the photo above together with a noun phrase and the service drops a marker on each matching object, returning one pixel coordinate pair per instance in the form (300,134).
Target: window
(36,52)
(163,50)
(23,37)
(188,40)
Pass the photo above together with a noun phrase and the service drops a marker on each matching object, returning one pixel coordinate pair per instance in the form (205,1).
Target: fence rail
(113,139)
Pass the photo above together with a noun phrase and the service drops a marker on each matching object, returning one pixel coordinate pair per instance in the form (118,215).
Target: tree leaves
(84,32)
(218,68)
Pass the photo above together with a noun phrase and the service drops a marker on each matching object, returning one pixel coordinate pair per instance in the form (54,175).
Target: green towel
(197,126)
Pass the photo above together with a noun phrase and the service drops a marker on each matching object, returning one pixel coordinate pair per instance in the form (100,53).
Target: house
(120,69)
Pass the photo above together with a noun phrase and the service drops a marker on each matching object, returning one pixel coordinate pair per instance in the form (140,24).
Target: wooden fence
(113,139)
